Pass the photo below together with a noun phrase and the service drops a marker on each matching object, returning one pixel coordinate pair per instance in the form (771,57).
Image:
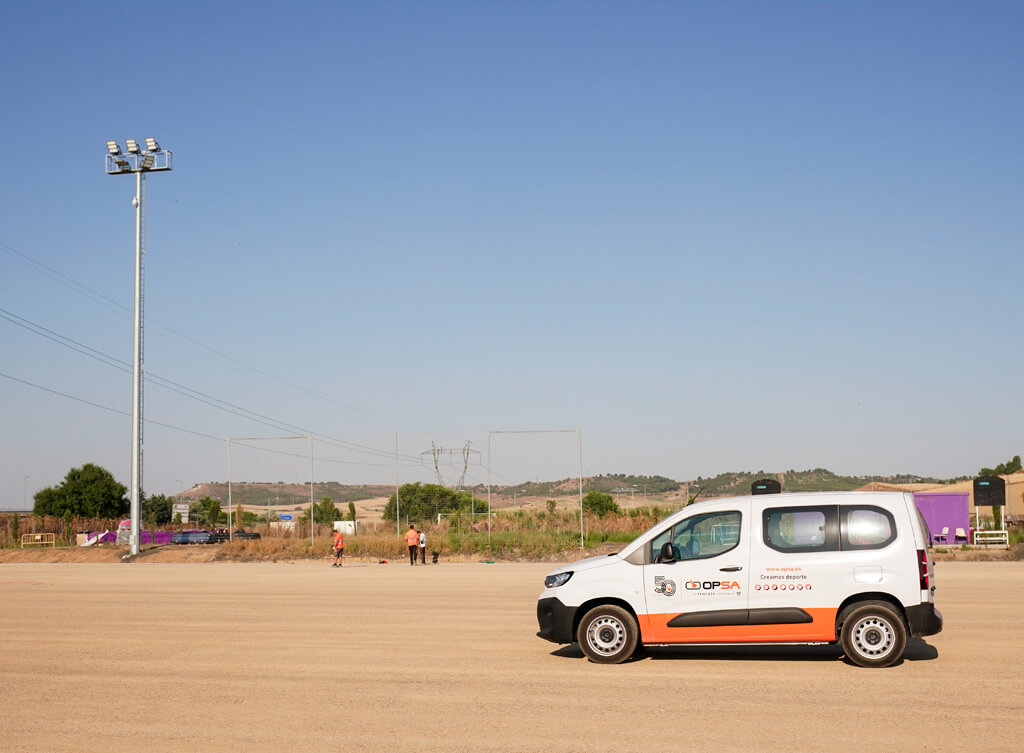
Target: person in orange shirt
(412,540)
(339,548)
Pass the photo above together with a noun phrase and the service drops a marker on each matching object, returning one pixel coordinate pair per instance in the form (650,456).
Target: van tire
(873,634)
(608,634)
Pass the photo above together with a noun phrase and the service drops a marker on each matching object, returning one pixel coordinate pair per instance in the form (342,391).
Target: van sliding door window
(801,529)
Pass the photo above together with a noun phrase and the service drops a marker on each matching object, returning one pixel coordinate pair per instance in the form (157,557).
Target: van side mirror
(668,553)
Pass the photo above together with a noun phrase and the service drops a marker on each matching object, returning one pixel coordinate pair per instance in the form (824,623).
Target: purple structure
(945,510)
(145,537)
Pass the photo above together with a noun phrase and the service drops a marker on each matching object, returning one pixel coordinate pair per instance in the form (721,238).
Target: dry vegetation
(523,534)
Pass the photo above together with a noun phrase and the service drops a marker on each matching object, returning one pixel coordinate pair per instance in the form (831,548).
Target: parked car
(190,537)
(221,535)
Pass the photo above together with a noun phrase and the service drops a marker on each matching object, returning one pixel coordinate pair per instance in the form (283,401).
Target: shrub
(599,503)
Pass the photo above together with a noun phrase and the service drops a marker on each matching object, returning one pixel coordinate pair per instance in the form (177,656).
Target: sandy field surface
(302,657)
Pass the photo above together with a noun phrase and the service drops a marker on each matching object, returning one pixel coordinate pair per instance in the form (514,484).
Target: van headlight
(556,580)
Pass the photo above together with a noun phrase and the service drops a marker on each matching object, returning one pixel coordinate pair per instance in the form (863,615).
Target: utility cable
(189,392)
(189,431)
(112,304)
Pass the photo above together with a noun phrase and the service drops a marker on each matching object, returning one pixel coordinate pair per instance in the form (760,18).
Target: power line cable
(188,392)
(188,431)
(112,304)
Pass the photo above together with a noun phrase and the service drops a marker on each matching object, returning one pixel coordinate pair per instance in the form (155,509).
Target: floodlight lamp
(151,145)
(123,164)
(147,162)
(132,146)
(113,148)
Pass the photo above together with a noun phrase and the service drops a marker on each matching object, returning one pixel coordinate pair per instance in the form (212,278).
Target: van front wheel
(874,635)
(608,634)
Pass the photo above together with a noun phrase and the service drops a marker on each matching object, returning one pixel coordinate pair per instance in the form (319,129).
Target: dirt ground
(274,657)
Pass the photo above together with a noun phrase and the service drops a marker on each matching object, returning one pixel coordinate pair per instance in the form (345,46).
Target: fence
(38,539)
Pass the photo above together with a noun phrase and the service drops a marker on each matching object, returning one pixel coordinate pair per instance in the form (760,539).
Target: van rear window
(866,527)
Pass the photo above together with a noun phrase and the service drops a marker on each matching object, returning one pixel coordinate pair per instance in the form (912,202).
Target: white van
(815,568)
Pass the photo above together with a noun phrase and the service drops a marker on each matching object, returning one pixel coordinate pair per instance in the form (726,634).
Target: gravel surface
(389,658)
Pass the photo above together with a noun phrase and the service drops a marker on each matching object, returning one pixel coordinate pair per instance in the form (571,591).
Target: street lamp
(138,161)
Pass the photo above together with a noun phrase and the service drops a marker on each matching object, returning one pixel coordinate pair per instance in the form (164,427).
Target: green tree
(324,511)
(424,502)
(15,524)
(205,511)
(156,510)
(89,492)
(1003,469)
(66,525)
(352,511)
(600,503)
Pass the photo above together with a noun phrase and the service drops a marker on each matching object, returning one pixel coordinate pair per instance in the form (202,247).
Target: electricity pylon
(438,452)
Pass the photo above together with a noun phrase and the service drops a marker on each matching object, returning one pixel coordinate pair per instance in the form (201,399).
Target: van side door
(698,594)
(796,567)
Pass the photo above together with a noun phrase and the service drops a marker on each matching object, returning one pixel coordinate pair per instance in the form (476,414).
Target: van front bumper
(555,620)
(924,619)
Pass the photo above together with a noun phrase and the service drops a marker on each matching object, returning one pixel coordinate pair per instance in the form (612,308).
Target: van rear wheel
(874,635)
(608,634)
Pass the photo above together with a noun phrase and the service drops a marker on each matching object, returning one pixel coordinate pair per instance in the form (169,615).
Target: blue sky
(713,236)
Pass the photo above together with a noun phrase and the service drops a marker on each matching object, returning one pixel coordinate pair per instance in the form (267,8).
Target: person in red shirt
(339,548)
(412,540)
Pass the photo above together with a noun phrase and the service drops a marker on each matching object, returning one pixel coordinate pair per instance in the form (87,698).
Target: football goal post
(312,517)
(579,445)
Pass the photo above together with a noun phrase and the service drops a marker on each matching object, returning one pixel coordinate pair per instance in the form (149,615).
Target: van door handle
(729,569)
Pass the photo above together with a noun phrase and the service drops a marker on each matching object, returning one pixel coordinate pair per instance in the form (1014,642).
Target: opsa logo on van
(711,585)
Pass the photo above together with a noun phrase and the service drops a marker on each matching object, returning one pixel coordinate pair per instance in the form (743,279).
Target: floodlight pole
(312,517)
(488,490)
(134,510)
(398,501)
(138,161)
(579,438)
(230,535)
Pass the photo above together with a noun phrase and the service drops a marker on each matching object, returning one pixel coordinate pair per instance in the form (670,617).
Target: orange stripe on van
(654,629)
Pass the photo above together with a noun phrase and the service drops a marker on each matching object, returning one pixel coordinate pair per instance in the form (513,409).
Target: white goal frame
(312,520)
(579,442)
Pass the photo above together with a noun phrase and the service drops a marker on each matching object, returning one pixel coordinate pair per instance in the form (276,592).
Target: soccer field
(300,657)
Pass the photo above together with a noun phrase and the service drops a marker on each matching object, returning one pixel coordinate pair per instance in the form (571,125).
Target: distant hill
(259,494)
(603,483)
(814,480)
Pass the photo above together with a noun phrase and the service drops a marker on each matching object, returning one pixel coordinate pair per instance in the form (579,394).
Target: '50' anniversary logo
(663,585)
